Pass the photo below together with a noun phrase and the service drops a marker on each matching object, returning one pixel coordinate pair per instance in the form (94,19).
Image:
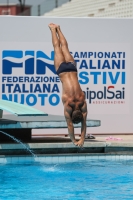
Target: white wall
(87,35)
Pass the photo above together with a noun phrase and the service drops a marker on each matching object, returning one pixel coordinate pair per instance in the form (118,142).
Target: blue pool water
(86,180)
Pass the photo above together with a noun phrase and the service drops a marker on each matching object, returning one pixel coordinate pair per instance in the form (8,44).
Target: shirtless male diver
(73,98)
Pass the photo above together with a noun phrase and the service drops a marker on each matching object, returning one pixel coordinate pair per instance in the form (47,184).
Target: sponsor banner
(28,76)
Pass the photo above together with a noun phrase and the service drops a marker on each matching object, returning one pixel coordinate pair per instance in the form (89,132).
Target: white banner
(28,76)
(104,56)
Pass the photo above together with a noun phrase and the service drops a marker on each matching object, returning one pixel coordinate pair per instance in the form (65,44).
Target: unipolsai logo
(32,62)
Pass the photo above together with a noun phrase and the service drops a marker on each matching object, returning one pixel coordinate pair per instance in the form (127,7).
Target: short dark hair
(77,116)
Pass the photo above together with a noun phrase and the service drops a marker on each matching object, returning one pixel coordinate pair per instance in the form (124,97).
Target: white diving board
(24,118)
(34,119)
(20,109)
(40,122)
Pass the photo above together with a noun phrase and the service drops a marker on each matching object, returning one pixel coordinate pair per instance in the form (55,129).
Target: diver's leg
(58,58)
(64,46)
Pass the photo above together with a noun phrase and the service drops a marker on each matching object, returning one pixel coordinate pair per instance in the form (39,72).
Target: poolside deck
(62,145)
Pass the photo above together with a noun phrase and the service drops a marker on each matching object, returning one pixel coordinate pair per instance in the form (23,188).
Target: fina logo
(16,58)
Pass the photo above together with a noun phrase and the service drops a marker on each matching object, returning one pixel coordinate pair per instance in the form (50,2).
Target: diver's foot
(52,26)
(57,26)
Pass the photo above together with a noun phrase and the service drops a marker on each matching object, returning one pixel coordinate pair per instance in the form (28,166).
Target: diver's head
(77,116)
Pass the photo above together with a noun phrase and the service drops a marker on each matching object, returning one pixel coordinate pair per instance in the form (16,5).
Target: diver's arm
(83,126)
(70,126)
(80,143)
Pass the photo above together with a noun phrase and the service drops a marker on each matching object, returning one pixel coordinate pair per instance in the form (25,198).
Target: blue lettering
(83,65)
(104,78)
(90,54)
(100,55)
(4,97)
(29,63)
(17,89)
(3,88)
(106,64)
(57,99)
(83,54)
(123,64)
(15,79)
(31,88)
(114,79)
(55,88)
(20,79)
(42,65)
(37,88)
(99,64)
(22,99)
(32,79)
(57,80)
(76,55)
(16,98)
(3,78)
(95,74)
(24,88)
(8,64)
(9,79)
(83,75)
(113,55)
(114,63)
(42,96)
(47,88)
(9,87)
(92,67)
(123,78)
(34,99)
(107,55)
(119,54)
(46,79)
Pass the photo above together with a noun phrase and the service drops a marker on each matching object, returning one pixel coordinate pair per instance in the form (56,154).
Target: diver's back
(70,83)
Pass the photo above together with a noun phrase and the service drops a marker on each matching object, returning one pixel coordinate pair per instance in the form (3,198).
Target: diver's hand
(79,143)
